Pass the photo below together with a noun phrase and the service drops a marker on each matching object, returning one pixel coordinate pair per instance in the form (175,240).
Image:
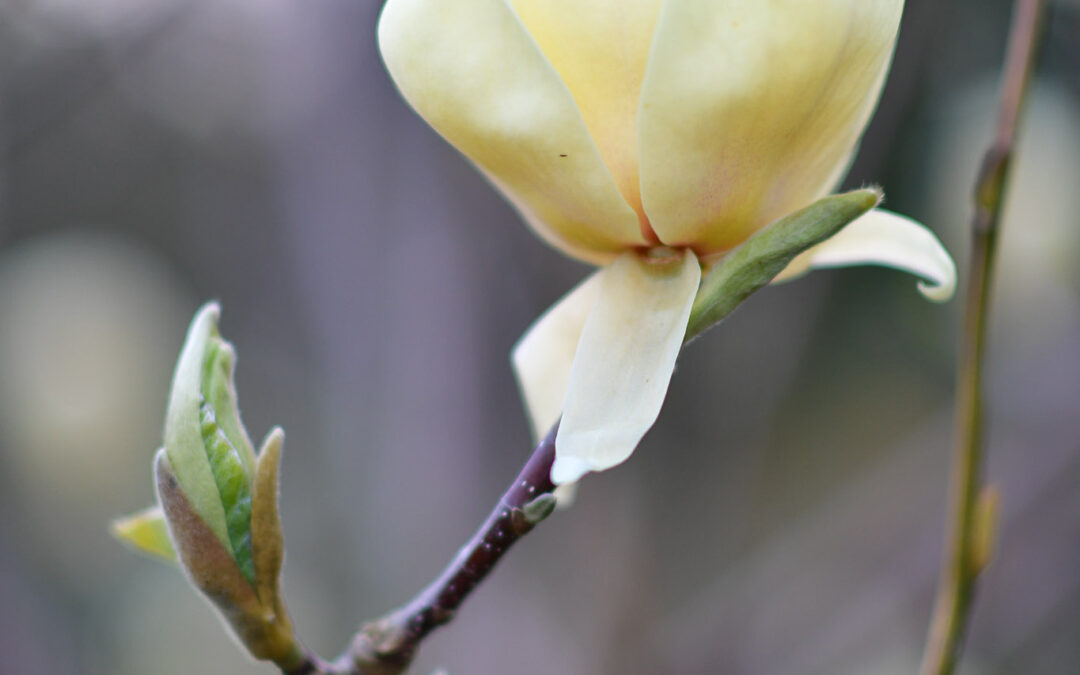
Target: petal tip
(883,238)
(568,470)
(938,292)
(941,286)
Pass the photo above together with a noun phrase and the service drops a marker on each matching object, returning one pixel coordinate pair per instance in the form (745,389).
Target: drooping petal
(750,110)
(542,361)
(600,49)
(884,238)
(543,357)
(471,69)
(624,362)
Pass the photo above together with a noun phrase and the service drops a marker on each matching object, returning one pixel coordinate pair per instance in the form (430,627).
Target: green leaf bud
(218,515)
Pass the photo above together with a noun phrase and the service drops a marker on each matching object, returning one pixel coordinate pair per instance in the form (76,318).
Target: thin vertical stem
(965,553)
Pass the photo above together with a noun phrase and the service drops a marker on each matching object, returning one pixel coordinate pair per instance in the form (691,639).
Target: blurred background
(784,516)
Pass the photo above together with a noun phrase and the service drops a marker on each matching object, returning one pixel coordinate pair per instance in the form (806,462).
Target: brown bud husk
(267,541)
(213,571)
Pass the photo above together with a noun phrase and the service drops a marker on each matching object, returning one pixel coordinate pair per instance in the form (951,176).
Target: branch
(386,646)
(970,506)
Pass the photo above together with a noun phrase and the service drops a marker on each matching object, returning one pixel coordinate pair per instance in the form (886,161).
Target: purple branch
(386,646)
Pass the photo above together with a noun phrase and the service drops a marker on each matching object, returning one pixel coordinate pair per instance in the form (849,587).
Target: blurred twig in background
(973,506)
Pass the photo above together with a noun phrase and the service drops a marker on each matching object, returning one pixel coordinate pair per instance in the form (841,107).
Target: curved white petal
(471,69)
(600,48)
(749,110)
(624,362)
(543,357)
(884,238)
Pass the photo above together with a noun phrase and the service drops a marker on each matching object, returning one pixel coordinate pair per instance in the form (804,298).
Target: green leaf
(207,562)
(183,428)
(220,392)
(146,532)
(206,441)
(760,258)
(233,488)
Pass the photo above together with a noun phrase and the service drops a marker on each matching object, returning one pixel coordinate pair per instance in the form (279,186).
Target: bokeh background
(784,516)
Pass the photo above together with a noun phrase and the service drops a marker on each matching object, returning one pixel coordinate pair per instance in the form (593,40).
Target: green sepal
(233,487)
(146,532)
(760,258)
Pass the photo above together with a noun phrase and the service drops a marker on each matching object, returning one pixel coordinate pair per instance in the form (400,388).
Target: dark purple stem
(511,519)
(386,646)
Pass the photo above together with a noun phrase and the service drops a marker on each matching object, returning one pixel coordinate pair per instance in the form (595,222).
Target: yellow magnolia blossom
(651,137)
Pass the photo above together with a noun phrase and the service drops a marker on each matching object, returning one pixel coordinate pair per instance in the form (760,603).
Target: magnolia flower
(650,137)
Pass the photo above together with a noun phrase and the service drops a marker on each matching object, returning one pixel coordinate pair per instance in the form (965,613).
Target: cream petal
(471,69)
(543,357)
(749,110)
(884,238)
(565,495)
(624,362)
(600,49)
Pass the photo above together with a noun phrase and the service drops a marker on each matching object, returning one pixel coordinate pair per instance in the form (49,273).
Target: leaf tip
(273,443)
(144,532)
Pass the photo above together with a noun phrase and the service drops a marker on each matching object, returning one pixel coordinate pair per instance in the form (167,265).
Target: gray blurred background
(784,516)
